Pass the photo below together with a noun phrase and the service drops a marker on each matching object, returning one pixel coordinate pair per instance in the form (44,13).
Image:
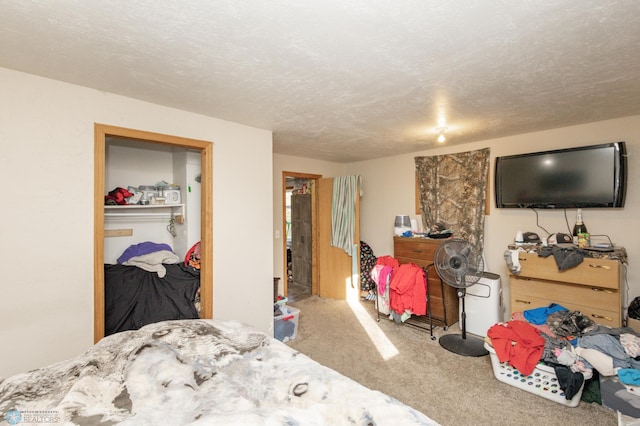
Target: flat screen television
(582,177)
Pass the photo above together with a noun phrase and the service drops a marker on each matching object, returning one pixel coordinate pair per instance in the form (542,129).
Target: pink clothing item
(385,277)
(544,328)
(384,268)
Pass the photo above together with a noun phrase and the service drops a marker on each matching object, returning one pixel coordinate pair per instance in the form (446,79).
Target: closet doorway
(299,203)
(101,133)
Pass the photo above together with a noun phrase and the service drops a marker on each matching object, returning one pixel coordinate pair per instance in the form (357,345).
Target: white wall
(389,191)
(46,148)
(299,165)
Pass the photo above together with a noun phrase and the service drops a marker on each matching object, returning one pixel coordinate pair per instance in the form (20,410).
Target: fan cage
(458,263)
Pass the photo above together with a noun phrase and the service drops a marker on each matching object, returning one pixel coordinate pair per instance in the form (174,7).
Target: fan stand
(460,344)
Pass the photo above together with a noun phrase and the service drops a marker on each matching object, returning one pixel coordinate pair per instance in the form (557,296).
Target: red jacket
(519,343)
(408,290)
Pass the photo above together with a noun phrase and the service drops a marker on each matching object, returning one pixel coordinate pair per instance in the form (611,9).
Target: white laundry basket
(542,381)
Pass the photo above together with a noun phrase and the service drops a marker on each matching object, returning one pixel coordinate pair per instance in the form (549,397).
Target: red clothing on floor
(518,343)
(408,290)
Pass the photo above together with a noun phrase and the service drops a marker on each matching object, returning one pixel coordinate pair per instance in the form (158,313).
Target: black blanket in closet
(135,297)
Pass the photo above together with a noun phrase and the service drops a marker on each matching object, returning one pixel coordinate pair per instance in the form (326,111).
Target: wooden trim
(101,131)
(206,232)
(314,224)
(99,147)
(118,232)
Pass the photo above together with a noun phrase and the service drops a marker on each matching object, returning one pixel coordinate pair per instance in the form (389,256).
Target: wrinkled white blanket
(152,262)
(197,372)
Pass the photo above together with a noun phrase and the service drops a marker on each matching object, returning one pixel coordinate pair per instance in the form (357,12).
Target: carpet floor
(403,362)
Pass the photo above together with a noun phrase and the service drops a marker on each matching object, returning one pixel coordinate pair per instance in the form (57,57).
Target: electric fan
(460,265)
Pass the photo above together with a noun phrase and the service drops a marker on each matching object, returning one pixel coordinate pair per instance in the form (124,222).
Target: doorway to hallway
(299,204)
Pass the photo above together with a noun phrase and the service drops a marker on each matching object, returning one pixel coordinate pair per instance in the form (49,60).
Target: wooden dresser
(593,287)
(444,298)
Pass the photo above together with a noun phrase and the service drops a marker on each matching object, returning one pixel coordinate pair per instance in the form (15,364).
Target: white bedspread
(199,372)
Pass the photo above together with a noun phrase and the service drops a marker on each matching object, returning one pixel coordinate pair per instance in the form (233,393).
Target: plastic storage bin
(285,327)
(542,381)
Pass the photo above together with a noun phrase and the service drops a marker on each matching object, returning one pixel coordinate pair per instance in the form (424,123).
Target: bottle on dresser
(580,230)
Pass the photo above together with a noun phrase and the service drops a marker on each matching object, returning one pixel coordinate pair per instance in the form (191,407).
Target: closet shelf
(151,210)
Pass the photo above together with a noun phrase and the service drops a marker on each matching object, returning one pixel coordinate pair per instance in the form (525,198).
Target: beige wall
(389,191)
(46,149)
(300,165)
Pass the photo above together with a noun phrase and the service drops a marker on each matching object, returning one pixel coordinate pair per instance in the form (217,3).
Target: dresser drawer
(521,303)
(419,250)
(436,289)
(591,272)
(563,294)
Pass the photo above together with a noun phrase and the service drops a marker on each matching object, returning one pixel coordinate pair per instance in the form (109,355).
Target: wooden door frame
(314,223)
(101,131)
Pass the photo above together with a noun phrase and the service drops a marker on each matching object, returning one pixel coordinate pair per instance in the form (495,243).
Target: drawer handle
(600,266)
(602,317)
(602,289)
(417,251)
(526,302)
(522,260)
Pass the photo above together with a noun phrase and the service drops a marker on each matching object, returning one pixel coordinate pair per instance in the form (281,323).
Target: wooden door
(301,239)
(335,265)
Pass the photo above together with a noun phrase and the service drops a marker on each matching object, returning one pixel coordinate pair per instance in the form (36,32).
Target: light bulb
(441,131)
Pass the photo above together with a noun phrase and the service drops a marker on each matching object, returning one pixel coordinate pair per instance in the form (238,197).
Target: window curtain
(453,189)
(343,212)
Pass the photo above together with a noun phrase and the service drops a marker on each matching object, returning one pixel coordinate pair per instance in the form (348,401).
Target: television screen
(589,176)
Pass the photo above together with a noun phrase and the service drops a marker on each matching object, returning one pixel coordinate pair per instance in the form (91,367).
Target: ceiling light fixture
(441,131)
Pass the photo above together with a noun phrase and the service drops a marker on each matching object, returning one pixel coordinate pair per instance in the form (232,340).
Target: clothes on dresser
(565,257)
(512,260)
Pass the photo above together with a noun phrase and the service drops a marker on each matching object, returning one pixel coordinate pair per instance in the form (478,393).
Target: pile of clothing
(568,341)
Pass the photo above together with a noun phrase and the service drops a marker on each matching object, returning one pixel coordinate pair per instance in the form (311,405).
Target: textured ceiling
(345,80)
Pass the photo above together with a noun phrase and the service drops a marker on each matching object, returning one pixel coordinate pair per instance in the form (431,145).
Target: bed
(201,372)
